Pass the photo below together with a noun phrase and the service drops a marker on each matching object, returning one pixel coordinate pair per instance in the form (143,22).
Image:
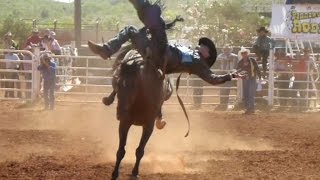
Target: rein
(182,105)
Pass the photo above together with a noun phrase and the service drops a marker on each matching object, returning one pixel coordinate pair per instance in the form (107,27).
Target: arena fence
(19,82)
(88,79)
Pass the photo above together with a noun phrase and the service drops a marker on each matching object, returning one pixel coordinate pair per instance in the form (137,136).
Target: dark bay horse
(139,88)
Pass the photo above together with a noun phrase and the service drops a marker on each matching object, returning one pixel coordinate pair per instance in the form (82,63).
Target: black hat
(212,50)
(262,29)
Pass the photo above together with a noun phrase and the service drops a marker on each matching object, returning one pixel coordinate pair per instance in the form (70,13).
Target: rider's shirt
(188,56)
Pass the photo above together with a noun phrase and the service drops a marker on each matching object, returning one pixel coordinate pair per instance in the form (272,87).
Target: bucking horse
(139,86)
(139,79)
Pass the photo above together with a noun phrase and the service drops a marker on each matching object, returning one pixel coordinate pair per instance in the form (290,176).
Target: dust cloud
(92,130)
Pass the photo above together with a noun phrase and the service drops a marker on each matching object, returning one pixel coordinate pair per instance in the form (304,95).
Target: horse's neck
(159,44)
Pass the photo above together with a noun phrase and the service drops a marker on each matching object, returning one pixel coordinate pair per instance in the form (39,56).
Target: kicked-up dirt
(79,141)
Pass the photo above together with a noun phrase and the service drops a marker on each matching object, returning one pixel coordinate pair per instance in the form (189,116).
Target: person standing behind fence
(28,67)
(281,67)
(9,42)
(47,68)
(226,61)
(301,68)
(197,85)
(34,39)
(11,64)
(51,44)
(249,83)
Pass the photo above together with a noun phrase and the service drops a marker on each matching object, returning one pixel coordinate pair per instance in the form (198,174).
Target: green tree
(225,21)
(44,14)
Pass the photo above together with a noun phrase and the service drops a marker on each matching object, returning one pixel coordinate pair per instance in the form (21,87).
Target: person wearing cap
(226,62)
(262,47)
(33,39)
(44,40)
(249,85)
(47,68)
(52,44)
(11,64)
(9,42)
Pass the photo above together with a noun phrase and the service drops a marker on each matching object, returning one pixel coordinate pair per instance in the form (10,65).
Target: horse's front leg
(108,100)
(123,133)
(147,131)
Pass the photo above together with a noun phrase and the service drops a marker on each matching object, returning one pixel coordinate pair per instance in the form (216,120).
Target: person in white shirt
(52,44)
(12,64)
(226,62)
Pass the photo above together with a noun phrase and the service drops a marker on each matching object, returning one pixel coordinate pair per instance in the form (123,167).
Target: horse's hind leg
(147,131)
(123,133)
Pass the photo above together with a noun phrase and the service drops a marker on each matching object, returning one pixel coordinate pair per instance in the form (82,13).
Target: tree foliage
(226,21)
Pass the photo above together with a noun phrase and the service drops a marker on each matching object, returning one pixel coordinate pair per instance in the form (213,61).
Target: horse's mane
(122,53)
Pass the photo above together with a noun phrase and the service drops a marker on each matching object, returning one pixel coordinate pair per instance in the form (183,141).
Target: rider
(179,58)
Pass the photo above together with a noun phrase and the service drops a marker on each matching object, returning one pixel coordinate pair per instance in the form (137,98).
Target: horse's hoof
(107,101)
(160,124)
(134,177)
(114,176)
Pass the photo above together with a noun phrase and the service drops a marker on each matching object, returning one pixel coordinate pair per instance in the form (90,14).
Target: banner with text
(296,21)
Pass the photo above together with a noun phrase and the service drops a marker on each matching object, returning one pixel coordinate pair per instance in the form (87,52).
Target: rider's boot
(102,50)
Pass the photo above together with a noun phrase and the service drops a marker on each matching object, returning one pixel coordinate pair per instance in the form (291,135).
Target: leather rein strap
(182,105)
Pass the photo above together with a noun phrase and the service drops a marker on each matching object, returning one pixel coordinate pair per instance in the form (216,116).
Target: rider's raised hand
(240,74)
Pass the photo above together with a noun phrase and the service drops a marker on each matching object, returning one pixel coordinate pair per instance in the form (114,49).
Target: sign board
(296,21)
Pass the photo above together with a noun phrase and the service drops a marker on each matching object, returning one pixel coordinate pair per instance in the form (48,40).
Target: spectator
(51,44)
(28,67)
(9,42)
(262,47)
(301,68)
(281,67)
(12,64)
(249,83)
(197,91)
(47,68)
(34,39)
(44,40)
(226,61)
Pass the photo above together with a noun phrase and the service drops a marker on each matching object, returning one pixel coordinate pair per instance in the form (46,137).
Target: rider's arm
(203,71)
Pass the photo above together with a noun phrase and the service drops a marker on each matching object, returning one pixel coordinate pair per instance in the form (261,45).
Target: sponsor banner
(296,21)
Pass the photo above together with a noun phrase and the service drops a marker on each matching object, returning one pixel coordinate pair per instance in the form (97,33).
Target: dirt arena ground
(79,141)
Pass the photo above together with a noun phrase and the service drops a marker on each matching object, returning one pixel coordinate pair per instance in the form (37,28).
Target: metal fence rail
(95,76)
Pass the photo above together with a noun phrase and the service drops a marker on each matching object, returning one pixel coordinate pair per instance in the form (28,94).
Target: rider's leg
(138,38)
